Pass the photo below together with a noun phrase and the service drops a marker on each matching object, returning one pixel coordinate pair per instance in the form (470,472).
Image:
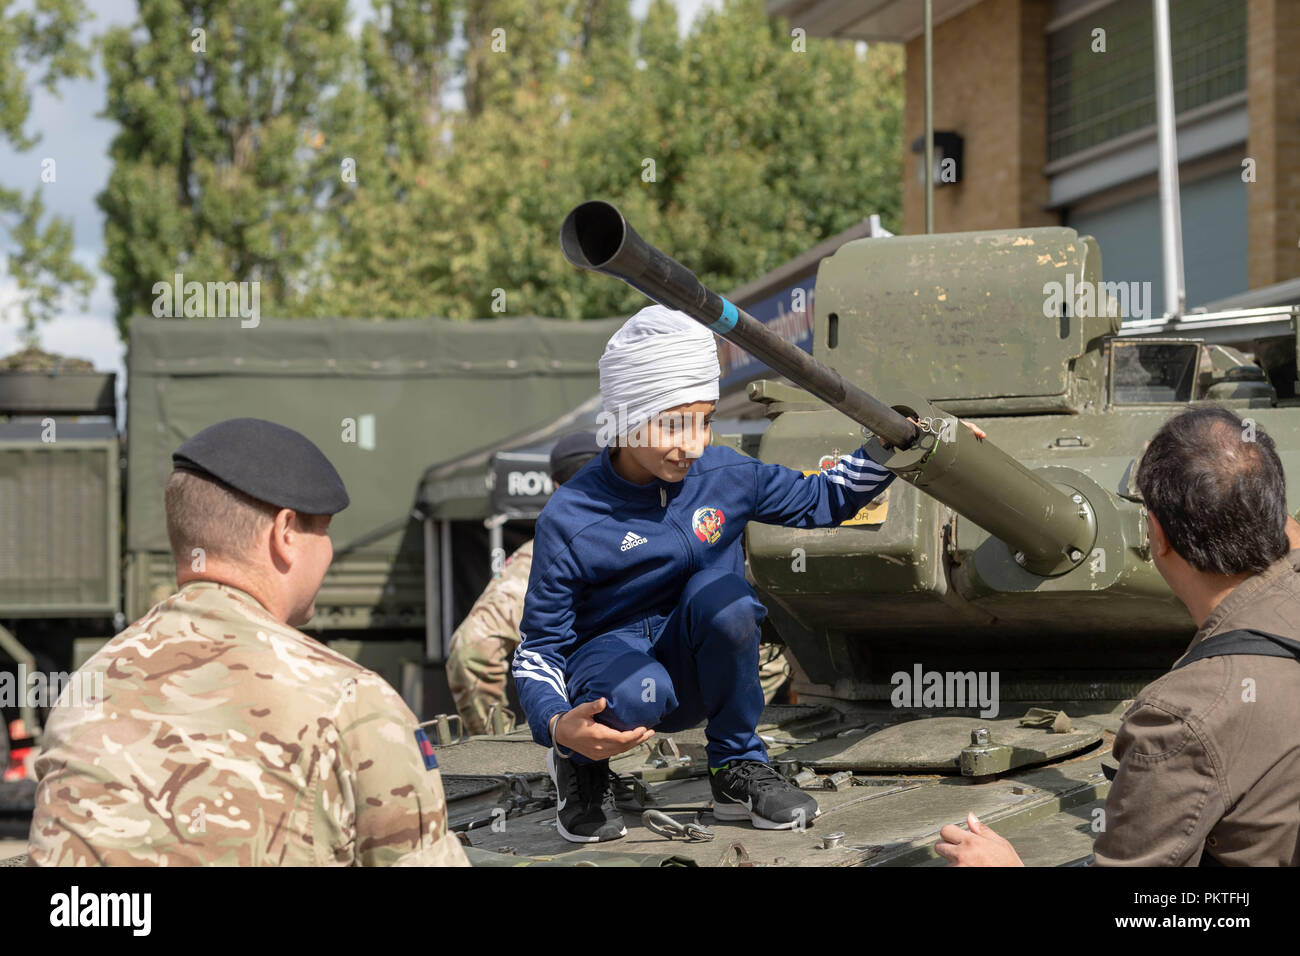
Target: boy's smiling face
(666,446)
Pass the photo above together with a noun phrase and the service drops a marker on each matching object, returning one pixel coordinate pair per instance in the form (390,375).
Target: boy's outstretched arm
(788,497)
(785,496)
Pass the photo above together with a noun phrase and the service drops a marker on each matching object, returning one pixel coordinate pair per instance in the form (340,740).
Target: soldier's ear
(284,527)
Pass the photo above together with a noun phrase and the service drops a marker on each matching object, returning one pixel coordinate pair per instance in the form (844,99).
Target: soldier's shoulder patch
(426,749)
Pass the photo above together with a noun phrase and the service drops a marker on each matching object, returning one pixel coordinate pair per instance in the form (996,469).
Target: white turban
(658,360)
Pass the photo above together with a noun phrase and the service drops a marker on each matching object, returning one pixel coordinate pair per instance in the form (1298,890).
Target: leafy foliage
(41,261)
(424,166)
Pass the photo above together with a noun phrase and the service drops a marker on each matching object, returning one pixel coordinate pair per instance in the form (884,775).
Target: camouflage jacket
(498,609)
(225,737)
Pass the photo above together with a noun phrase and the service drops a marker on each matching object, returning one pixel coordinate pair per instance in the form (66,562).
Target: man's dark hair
(1216,485)
(570,453)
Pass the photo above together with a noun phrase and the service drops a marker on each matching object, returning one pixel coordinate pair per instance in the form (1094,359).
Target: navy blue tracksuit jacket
(607,552)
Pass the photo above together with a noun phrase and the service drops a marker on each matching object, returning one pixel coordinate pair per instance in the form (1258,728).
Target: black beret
(572,452)
(268,462)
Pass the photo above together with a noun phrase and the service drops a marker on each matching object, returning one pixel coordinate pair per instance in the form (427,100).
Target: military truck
(971,643)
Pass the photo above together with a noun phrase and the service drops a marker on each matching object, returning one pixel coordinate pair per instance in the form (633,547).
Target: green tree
(473,127)
(514,45)
(767,150)
(407,67)
(734,151)
(452,226)
(41,261)
(730,149)
(221,165)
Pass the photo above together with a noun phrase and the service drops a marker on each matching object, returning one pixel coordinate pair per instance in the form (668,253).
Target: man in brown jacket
(1209,754)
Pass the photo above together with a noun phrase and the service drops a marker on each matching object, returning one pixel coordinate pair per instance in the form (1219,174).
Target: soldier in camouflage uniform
(478,660)
(220,734)
(481,648)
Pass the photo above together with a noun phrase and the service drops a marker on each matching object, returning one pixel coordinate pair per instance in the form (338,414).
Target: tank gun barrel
(1049,528)
(595,236)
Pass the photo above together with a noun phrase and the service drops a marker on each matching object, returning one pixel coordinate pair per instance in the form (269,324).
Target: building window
(1094,97)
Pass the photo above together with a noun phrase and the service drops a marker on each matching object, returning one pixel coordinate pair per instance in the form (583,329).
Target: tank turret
(1023,553)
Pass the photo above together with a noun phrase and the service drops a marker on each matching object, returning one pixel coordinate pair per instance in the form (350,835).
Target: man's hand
(978,846)
(576,730)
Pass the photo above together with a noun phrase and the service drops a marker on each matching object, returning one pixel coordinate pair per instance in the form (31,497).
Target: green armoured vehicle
(969,642)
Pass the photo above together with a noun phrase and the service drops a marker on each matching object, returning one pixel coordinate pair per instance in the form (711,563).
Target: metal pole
(496,543)
(1171,220)
(26,666)
(432,598)
(444,566)
(929,119)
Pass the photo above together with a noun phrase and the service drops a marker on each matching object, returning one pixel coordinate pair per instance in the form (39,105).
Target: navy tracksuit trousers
(697,661)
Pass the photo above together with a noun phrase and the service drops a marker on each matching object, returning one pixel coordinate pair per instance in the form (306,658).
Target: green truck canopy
(380,398)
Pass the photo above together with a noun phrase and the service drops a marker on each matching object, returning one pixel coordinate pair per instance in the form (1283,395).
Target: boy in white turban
(638,615)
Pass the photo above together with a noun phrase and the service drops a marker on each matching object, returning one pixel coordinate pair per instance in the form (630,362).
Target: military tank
(969,641)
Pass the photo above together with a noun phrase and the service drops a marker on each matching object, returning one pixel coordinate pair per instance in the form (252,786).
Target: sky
(74,136)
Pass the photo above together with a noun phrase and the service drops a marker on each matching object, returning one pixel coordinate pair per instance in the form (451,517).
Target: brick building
(1052,103)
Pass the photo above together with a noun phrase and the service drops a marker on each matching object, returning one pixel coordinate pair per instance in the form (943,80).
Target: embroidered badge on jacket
(708,524)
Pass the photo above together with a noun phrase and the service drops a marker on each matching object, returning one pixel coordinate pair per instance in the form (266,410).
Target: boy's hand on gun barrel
(577,730)
(974,429)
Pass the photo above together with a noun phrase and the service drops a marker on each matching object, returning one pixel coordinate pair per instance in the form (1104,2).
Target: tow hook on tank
(737,855)
(656,821)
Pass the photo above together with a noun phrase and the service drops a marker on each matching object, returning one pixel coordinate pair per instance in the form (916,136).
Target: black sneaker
(752,790)
(584,805)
